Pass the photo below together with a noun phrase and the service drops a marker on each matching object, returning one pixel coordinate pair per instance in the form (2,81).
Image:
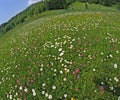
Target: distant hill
(40,7)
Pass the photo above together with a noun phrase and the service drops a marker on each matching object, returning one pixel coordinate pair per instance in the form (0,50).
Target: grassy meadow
(62,55)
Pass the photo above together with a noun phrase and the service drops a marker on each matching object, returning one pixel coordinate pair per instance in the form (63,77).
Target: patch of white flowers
(33,91)
(115,65)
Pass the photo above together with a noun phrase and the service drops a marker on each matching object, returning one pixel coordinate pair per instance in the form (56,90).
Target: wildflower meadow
(71,56)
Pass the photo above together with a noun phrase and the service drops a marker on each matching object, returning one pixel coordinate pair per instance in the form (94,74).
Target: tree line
(44,5)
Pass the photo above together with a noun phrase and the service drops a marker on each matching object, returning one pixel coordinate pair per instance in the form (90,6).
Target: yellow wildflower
(72,98)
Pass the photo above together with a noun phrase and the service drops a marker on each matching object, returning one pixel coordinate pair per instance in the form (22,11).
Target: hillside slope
(69,56)
(44,5)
